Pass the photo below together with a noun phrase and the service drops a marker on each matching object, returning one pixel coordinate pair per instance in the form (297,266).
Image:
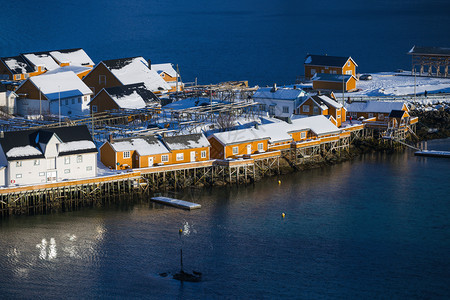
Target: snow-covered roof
(277,132)
(189,141)
(23,151)
(75,57)
(43,59)
(374,106)
(167,68)
(320,125)
(148,145)
(60,85)
(331,77)
(240,136)
(327,100)
(76,146)
(135,70)
(75,69)
(278,94)
(17,65)
(132,96)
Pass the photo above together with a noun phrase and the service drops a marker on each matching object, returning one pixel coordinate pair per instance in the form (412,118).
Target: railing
(439,97)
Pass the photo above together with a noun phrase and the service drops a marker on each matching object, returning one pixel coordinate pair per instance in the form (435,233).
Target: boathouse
(279,102)
(170,75)
(374,109)
(130,96)
(187,148)
(58,94)
(236,143)
(138,152)
(123,71)
(327,64)
(333,82)
(47,155)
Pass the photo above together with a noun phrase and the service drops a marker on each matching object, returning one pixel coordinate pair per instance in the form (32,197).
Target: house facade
(333,82)
(279,102)
(324,105)
(60,93)
(16,68)
(117,72)
(45,156)
(374,109)
(170,75)
(327,64)
(7,100)
(187,148)
(130,96)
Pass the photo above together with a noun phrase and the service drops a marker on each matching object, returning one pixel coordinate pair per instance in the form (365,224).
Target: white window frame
(180,156)
(94,108)
(37,162)
(41,173)
(370,115)
(66,171)
(67,160)
(18,164)
(260,146)
(203,154)
(18,175)
(165,158)
(348,72)
(126,154)
(235,150)
(316,110)
(79,158)
(305,108)
(303,135)
(285,109)
(348,64)
(313,71)
(89,168)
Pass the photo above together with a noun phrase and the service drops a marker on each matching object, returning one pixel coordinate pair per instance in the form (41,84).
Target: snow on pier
(176,203)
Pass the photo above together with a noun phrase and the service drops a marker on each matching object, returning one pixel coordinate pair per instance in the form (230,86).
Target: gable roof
(75,57)
(327,60)
(148,145)
(240,136)
(279,93)
(60,85)
(75,69)
(134,70)
(24,144)
(17,65)
(374,106)
(331,77)
(328,101)
(166,68)
(429,51)
(43,59)
(320,125)
(188,141)
(133,96)
(319,102)
(397,113)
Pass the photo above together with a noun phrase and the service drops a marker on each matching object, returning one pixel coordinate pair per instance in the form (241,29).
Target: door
(51,176)
(150,161)
(192,155)
(249,149)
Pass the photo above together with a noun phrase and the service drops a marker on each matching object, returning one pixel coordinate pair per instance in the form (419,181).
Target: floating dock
(433,153)
(176,203)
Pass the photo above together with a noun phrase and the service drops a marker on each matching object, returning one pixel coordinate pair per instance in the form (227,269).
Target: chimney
(110,138)
(256,126)
(319,93)
(274,88)
(149,63)
(295,87)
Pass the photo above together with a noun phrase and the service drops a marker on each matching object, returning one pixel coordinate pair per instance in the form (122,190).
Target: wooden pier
(176,203)
(433,153)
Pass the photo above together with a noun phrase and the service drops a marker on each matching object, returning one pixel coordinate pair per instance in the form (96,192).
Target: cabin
(187,148)
(7,100)
(58,94)
(374,109)
(279,102)
(47,155)
(237,143)
(123,71)
(137,152)
(15,68)
(130,96)
(327,64)
(168,73)
(333,82)
(398,119)
(324,105)
(317,127)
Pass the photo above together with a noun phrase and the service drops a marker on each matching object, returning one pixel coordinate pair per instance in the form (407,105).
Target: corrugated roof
(133,96)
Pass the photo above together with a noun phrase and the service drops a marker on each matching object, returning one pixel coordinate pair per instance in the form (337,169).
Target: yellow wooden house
(327,64)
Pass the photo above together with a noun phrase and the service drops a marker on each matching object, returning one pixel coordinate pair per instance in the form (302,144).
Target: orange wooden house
(324,105)
(236,143)
(327,64)
(138,152)
(374,109)
(187,148)
(170,75)
(334,82)
(16,68)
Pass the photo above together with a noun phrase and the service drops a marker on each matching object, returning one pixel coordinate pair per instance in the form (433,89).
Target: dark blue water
(261,41)
(373,228)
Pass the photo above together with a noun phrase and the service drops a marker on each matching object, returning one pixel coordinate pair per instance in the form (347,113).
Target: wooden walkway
(176,203)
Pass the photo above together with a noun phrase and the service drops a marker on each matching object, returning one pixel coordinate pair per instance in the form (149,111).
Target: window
(370,115)
(285,109)
(203,154)
(85,98)
(66,101)
(26,75)
(79,158)
(18,175)
(260,146)
(313,71)
(66,171)
(180,156)
(37,162)
(126,154)
(348,64)
(41,173)
(73,101)
(305,108)
(67,160)
(79,100)
(303,135)
(349,72)
(381,116)
(17,77)
(18,163)
(94,108)
(235,150)
(101,79)
(338,116)
(165,158)
(316,110)
(89,168)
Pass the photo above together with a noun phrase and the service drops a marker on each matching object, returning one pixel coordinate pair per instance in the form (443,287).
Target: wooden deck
(176,203)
